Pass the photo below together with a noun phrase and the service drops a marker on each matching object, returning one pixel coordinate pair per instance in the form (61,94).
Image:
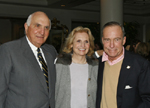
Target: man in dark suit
(22,81)
(123,78)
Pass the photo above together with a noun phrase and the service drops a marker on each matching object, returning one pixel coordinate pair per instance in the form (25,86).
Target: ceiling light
(62,5)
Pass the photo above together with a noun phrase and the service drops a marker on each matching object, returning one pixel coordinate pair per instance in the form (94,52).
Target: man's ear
(26,27)
(102,39)
(124,40)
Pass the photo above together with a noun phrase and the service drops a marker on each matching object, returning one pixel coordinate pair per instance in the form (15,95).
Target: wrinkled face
(113,42)
(80,44)
(38,30)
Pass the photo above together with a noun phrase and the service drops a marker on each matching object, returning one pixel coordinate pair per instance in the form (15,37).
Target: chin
(82,54)
(111,55)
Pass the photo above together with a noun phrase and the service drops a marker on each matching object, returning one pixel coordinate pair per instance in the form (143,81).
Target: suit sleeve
(5,69)
(144,86)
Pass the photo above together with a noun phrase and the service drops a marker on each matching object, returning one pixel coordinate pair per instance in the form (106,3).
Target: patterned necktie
(44,66)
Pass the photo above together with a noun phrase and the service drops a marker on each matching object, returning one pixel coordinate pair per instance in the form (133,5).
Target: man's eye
(47,27)
(37,25)
(117,39)
(106,40)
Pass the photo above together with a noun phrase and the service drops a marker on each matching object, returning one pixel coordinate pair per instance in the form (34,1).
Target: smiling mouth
(82,49)
(40,36)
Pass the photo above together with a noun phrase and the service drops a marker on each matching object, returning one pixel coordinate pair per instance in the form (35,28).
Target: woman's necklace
(78,62)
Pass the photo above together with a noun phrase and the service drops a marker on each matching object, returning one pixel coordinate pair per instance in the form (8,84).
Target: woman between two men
(76,71)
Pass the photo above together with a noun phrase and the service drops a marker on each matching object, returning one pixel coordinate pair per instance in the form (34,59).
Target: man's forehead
(112,27)
(40,16)
(112,30)
(41,21)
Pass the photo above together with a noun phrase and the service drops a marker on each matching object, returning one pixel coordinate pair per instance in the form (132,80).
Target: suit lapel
(99,82)
(124,73)
(28,53)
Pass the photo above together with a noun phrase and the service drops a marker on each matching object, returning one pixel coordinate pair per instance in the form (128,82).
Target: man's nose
(42,31)
(111,43)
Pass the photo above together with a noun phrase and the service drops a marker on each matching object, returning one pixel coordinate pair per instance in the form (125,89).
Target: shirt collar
(105,58)
(34,48)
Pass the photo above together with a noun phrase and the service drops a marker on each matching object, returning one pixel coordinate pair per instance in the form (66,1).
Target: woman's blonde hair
(69,41)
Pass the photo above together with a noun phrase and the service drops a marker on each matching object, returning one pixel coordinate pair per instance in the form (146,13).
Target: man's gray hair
(113,23)
(30,18)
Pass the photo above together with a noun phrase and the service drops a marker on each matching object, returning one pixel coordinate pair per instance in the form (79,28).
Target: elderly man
(123,78)
(27,70)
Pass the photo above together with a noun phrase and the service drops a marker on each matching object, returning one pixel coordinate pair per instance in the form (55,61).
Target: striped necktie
(44,67)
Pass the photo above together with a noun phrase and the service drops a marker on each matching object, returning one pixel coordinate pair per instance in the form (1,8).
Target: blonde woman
(76,71)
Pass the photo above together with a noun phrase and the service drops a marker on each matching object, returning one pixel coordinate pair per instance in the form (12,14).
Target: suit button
(88,95)
(89,79)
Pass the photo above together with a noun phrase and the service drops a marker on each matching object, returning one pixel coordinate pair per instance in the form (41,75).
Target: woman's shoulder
(92,61)
(64,59)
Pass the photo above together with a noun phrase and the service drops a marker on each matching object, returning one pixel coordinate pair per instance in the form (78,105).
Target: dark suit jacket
(22,83)
(135,72)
